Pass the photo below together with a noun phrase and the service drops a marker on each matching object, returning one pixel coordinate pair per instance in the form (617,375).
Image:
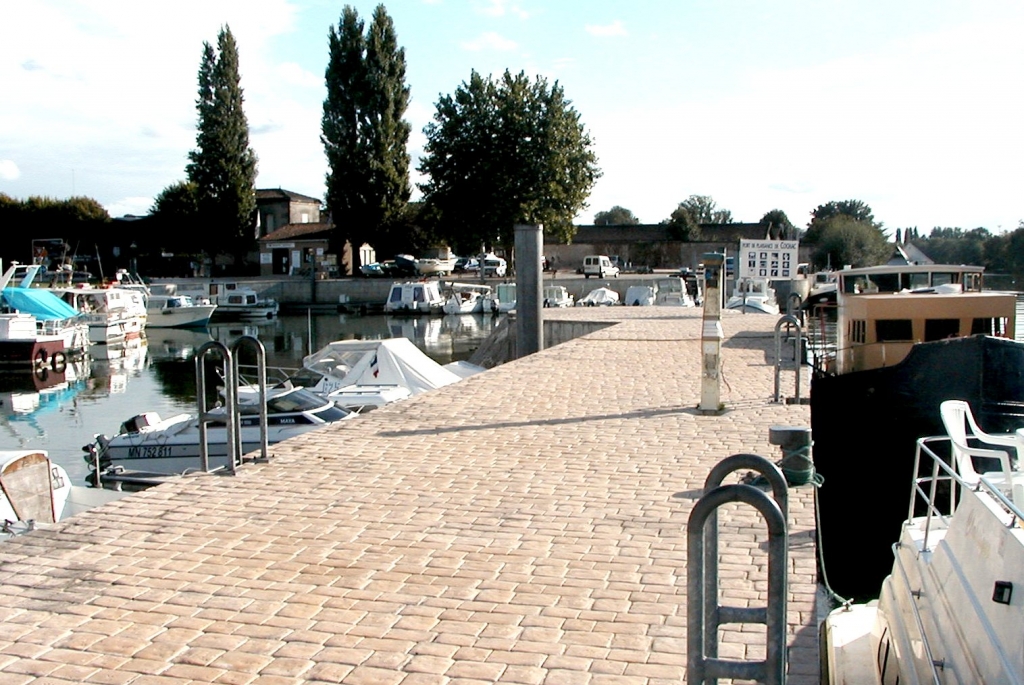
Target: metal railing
(704,614)
(789,321)
(941,471)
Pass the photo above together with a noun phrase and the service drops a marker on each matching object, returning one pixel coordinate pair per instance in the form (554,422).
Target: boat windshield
(296,401)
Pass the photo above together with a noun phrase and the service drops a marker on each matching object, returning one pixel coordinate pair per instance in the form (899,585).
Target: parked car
(600,266)
(464,264)
(495,266)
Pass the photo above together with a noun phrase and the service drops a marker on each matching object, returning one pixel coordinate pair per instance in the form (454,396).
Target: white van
(600,266)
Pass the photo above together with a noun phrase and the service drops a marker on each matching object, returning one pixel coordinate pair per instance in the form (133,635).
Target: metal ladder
(704,614)
(231,416)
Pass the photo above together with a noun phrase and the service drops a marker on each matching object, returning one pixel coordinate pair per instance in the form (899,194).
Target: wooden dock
(525,526)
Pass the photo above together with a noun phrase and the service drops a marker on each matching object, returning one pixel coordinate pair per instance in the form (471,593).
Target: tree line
(499,151)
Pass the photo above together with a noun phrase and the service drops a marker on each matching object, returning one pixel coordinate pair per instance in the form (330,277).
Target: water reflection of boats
(22,404)
(114,363)
(176,344)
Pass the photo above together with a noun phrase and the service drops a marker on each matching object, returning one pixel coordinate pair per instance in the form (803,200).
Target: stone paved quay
(527,525)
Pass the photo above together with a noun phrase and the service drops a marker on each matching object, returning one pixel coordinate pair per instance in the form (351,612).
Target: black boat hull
(865,425)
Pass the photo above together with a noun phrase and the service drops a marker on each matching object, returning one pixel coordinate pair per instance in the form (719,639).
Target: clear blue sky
(913,107)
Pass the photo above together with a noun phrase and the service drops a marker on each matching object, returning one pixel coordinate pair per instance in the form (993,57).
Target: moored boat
(754,295)
(950,611)
(466,298)
(148,443)
(35,491)
(909,337)
(557,296)
(112,314)
(599,297)
(37,328)
(363,374)
(177,311)
(414,297)
(672,291)
(233,300)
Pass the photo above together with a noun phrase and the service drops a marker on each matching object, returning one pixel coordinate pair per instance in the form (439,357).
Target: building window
(305,217)
(940,329)
(894,330)
(995,326)
(858,331)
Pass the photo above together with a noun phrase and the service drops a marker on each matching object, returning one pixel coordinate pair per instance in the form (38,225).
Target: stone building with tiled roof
(293,239)
(276,208)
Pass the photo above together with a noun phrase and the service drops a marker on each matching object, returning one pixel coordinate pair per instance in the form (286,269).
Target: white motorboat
(177,311)
(640,296)
(35,491)
(557,296)
(233,300)
(415,297)
(112,314)
(672,291)
(359,375)
(599,297)
(754,295)
(151,444)
(504,298)
(466,298)
(951,610)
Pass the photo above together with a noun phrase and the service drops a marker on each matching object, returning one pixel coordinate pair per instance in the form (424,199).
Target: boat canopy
(392,361)
(42,304)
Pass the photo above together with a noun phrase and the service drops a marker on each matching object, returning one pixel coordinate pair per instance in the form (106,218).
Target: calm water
(158,374)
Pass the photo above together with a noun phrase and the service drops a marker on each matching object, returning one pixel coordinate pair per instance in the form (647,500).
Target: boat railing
(937,490)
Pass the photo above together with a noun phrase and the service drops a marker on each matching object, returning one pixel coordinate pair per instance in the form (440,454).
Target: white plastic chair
(962,429)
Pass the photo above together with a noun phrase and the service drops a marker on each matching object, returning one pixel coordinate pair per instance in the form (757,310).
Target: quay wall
(299,292)
(501,346)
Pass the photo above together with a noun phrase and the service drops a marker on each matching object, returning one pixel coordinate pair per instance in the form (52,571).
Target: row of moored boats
(45,327)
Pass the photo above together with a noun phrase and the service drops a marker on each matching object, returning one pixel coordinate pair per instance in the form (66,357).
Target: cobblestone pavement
(527,525)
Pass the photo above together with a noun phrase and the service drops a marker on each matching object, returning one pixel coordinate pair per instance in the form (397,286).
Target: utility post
(529,291)
(711,335)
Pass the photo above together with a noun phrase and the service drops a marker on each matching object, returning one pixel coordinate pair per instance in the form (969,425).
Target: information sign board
(771,259)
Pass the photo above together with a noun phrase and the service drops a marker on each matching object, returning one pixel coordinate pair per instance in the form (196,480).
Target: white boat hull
(160,452)
(195,316)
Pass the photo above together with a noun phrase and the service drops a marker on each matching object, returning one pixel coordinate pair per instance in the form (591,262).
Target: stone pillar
(529,291)
(711,335)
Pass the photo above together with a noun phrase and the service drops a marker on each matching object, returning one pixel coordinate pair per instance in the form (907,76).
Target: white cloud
(292,73)
(9,170)
(499,8)
(613,29)
(490,41)
(136,206)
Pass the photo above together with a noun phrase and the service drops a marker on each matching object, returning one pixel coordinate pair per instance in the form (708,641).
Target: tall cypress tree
(223,166)
(363,133)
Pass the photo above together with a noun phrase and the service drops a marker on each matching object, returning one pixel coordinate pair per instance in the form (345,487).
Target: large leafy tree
(855,209)
(504,152)
(843,240)
(956,246)
(682,226)
(616,216)
(704,210)
(223,166)
(174,210)
(75,220)
(363,130)
(778,225)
